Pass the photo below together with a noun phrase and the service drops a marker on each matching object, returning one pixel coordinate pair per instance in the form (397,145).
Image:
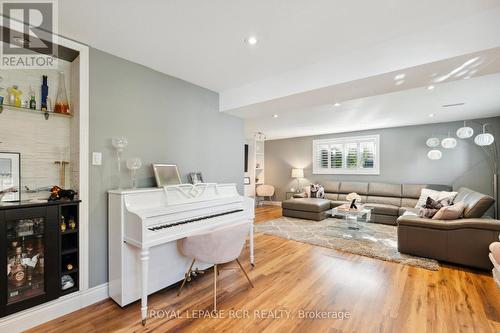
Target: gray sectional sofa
(463,241)
(388,201)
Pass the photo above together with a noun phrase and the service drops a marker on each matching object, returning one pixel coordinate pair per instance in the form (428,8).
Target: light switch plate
(96,158)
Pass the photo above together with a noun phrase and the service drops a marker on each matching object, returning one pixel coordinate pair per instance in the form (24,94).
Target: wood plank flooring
(289,277)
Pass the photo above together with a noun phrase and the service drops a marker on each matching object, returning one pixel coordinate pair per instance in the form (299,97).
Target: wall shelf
(46,114)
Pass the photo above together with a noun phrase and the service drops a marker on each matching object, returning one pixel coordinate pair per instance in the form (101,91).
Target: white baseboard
(43,313)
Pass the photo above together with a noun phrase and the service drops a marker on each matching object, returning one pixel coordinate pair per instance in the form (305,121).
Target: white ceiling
(309,53)
(400,108)
(202,41)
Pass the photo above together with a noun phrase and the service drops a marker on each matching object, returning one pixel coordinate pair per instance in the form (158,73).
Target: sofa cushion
(384,200)
(452,212)
(331,196)
(411,209)
(476,204)
(409,202)
(359,188)
(331,186)
(383,209)
(412,190)
(384,190)
(435,195)
(307,204)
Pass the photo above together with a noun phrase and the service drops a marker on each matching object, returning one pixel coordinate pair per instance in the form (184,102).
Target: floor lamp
(487,142)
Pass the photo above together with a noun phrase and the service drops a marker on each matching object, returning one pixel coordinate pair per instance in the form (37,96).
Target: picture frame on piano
(166,174)
(195,178)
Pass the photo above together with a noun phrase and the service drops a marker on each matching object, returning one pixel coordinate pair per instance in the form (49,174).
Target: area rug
(371,239)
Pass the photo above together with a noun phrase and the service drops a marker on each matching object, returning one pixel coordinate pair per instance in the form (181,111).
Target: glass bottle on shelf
(61,105)
(17,273)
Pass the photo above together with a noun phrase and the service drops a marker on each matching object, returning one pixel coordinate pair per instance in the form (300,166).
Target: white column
(144,284)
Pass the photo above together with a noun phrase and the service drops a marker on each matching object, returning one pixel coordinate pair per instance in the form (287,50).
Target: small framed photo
(10,176)
(166,174)
(195,178)
(246,181)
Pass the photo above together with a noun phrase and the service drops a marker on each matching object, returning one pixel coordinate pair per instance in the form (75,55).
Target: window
(351,155)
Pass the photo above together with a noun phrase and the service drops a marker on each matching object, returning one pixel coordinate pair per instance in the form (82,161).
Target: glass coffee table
(362,214)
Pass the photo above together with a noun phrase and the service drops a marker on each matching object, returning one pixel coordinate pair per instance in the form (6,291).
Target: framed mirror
(166,174)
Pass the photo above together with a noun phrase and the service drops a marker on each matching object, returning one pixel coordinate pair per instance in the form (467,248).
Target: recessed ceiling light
(275,116)
(252,40)
(431,87)
(399,77)
(431,115)
(336,104)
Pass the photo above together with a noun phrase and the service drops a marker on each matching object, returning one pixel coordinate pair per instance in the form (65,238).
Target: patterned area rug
(371,239)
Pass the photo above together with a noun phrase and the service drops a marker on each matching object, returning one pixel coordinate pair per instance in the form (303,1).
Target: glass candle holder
(119,143)
(134,164)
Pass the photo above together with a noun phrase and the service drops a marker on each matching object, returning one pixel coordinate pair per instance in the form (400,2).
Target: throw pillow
(432,206)
(317,191)
(452,212)
(436,195)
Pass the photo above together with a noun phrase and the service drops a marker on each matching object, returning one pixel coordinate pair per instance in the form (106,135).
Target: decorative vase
(62,105)
(134,164)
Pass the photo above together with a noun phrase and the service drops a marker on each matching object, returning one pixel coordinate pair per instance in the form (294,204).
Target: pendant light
(465,132)
(434,154)
(449,142)
(432,142)
(484,139)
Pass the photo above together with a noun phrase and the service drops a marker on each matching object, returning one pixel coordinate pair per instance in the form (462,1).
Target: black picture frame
(15,175)
(195,178)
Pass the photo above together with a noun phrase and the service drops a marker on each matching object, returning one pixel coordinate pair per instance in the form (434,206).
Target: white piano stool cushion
(219,246)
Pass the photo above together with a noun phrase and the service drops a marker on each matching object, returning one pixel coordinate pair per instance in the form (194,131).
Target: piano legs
(252,259)
(144,284)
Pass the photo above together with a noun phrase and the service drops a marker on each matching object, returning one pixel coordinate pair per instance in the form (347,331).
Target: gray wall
(165,120)
(403,159)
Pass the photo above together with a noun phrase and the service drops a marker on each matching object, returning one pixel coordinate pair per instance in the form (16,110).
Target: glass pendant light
(449,142)
(484,139)
(434,154)
(465,132)
(432,142)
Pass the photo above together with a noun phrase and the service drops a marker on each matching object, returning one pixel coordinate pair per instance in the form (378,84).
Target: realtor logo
(28,35)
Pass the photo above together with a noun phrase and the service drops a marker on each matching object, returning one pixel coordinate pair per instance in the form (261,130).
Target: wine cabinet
(35,253)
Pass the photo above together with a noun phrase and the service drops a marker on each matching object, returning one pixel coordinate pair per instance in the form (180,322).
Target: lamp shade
(432,142)
(484,139)
(449,143)
(434,154)
(465,132)
(297,173)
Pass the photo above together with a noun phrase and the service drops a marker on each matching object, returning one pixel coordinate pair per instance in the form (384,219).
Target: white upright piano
(145,224)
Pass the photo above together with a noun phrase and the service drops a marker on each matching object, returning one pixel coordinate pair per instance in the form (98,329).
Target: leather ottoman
(306,208)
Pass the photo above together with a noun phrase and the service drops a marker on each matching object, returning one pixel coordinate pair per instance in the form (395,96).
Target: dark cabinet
(31,245)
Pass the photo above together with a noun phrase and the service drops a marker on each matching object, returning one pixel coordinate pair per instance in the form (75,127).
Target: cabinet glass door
(25,258)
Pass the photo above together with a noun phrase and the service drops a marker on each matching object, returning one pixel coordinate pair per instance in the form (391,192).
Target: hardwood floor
(291,276)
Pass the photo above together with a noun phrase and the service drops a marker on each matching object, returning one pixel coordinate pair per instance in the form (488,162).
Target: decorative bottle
(61,105)
(32,100)
(17,273)
(45,93)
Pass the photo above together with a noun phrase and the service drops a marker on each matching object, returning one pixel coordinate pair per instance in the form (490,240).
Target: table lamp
(298,173)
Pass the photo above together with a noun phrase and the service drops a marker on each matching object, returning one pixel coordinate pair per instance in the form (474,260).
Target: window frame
(344,141)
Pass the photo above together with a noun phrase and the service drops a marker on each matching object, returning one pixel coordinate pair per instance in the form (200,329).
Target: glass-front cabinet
(29,246)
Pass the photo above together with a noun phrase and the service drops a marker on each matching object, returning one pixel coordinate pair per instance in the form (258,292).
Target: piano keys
(145,224)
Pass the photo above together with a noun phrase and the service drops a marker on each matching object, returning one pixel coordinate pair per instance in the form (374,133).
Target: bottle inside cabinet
(25,259)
